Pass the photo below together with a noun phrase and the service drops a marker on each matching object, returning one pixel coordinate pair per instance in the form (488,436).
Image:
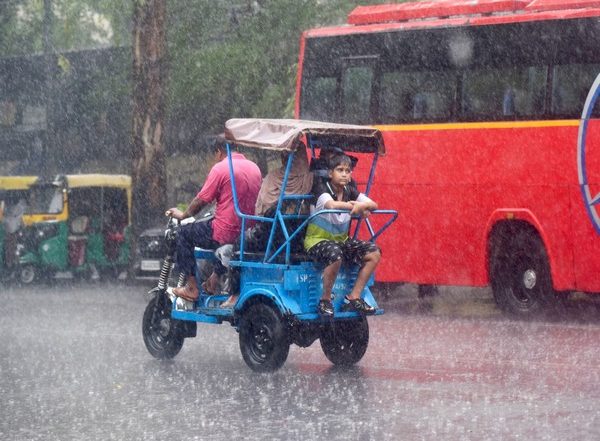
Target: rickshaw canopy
(98,180)
(286,134)
(16,182)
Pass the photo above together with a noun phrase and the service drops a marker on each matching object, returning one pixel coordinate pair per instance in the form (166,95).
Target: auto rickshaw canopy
(16,182)
(66,183)
(98,180)
(286,134)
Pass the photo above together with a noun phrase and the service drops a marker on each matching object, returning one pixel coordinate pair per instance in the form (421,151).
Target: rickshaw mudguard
(29,258)
(270,292)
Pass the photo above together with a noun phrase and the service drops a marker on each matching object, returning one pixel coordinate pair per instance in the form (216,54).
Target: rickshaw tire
(162,335)
(27,274)
(344,342)
(263,338)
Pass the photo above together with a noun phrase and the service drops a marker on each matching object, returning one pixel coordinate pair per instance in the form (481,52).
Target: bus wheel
(162,337)
(27,274)
(344,342)
(521,280)
(264,341)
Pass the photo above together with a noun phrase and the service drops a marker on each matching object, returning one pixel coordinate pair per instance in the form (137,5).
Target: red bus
(480,105)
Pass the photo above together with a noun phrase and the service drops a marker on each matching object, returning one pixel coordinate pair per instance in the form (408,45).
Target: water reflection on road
(73,366)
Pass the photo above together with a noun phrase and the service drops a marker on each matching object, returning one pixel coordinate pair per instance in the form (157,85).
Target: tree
(149,68)
(238,58)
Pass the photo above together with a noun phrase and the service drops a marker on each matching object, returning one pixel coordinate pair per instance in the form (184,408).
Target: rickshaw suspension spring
(165,271)
(181,280)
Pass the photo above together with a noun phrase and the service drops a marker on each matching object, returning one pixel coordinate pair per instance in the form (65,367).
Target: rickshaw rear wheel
(162,337)
(344,342)
(264,340)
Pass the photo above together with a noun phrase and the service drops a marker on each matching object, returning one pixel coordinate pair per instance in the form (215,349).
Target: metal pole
(48,141)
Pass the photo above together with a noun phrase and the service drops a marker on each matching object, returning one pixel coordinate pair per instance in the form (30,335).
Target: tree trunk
(149,73)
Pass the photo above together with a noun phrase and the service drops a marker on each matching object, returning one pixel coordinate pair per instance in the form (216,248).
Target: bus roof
(285,134)
(456,13)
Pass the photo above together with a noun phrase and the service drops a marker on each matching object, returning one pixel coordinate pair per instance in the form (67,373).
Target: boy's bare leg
(329,275)
(370,261)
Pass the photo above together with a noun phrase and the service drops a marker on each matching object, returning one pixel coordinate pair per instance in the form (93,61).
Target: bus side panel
(446,184)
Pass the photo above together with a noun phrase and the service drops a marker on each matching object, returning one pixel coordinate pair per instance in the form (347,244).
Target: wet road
(73,367)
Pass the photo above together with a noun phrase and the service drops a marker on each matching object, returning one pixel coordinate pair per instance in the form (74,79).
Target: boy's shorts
(351,251)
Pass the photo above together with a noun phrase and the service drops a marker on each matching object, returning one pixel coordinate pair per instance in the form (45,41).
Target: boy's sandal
(361,306)
(325,307)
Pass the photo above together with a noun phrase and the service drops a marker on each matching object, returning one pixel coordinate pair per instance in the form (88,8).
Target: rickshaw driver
(225,227)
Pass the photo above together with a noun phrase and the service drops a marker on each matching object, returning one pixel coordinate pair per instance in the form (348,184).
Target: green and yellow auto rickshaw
(77,225)
(14,193)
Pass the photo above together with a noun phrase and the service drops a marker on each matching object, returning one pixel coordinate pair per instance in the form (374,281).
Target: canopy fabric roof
(16,182)
(98,180)
(285,134)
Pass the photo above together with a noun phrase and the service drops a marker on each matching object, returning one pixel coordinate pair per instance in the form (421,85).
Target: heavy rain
(157,283)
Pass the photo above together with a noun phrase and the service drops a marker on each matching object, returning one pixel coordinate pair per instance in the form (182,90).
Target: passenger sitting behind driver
(299,181)
(327,240)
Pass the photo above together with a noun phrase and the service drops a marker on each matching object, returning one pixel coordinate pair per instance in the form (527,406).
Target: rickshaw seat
(77,241)
(204,253)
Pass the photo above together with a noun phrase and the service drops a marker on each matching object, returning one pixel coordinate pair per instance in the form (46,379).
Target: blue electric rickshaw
(279,289)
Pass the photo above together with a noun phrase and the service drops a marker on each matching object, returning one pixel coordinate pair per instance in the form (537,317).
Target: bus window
(320,99)
(498,93)
(357,83)
(570,86)
(413,96)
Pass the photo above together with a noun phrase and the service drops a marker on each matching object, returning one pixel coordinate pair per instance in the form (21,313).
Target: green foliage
(76,24)
(239,59)
(21,27)
(227,58)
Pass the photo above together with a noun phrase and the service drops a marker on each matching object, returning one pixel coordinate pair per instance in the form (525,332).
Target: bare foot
(230,302)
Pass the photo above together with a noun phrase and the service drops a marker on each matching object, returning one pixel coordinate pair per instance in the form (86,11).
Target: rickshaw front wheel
(27,274)
(344,342)
(264,341)
(162,337)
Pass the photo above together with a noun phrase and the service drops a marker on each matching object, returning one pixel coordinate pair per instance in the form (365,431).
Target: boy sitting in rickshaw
(327,240)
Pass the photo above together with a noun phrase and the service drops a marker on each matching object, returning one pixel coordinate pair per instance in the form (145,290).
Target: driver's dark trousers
(196,234)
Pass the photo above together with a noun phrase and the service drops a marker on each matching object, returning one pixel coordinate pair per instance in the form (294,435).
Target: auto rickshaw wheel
(27,274)
(162,337)
(344,342)
(264,340)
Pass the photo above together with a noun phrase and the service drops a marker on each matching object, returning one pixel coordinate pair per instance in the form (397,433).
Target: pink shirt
(217,187)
